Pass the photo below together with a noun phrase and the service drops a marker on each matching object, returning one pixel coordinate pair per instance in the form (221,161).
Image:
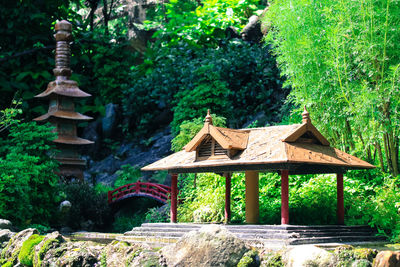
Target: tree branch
(28,52)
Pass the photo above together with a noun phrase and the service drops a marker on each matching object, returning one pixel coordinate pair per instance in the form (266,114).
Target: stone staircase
(275,235)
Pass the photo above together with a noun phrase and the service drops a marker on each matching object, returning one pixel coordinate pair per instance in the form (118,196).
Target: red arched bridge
(157,192)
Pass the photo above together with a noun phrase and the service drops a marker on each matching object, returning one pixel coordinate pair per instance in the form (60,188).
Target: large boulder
(10,253)
(147,258)
(110,120)
(307,255)
(5,235)
(212,245)
(252,31)
(73,254)
(387,259)
(5,224)
(119,253)
(50,241)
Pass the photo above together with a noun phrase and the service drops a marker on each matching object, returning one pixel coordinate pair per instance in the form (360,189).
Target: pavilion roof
(299,148)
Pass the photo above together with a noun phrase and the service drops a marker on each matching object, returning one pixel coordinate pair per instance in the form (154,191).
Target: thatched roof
(299,148)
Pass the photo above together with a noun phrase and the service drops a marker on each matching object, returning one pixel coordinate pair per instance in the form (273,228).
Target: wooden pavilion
(286,149)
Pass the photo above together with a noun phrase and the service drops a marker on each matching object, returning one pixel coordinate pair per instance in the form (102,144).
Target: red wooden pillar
(174,191)
(340,200)
(227,197)
(285,197)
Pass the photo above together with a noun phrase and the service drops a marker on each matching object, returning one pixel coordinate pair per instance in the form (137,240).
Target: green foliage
(86,204)
(25,51)
(127,175)
(125,223)
(205,202)
(342,60)
(312,200)
(344,255)
(7,264)
(102,67)
(188,129)
(203,22)
(249,259)
(27,179)
(101,56)
(155,215)
(102,188)
(235,80)
(272,259)
(210,91)
(26,253)
(8,115)
(159,177)
(41,228)
(385,209)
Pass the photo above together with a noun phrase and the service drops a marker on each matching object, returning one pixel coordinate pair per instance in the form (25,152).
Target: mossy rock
(82,253)
(365,254)
(120,253)
(146,259)
(249,259)
(361,263)
(272,259)
(9,254)
(50,241)
(25,255)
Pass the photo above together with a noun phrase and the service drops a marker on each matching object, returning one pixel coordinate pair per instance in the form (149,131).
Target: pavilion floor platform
(259,235)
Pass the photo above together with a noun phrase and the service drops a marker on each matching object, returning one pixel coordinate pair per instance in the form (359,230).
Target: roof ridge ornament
(208,119)
(306,116)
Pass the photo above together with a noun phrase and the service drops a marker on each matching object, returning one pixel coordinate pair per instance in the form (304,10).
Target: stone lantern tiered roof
(61,94)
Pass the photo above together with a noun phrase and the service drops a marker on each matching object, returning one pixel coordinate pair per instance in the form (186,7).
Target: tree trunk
(387,152)
(380,155)
(349,135)
(106,17)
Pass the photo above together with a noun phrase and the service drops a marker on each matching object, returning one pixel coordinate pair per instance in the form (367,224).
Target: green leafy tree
(203,22)
(342,60)
(101,56)
(188,130)
(27,174)
(236,80)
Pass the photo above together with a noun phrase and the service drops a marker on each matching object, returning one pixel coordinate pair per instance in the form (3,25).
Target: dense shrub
(203,203)
(27,179)
(87,204)
(235,80)
(385,209)
(127,175)
(125,223)
(156,215)
(312,200)
(202,23)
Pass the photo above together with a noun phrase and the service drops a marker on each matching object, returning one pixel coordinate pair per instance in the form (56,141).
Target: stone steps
(162,233)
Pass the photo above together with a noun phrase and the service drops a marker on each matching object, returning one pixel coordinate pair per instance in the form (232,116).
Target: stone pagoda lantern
(61,94)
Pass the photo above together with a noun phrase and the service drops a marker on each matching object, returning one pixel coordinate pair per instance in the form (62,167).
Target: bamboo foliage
(342,59)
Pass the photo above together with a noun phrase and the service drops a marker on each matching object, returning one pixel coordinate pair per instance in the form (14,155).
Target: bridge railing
(157,191)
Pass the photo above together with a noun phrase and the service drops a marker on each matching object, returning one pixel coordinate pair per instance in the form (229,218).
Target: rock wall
(212,245)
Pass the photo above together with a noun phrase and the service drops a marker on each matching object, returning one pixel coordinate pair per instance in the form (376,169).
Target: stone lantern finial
(63,37)
(306,115)
(208,118)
